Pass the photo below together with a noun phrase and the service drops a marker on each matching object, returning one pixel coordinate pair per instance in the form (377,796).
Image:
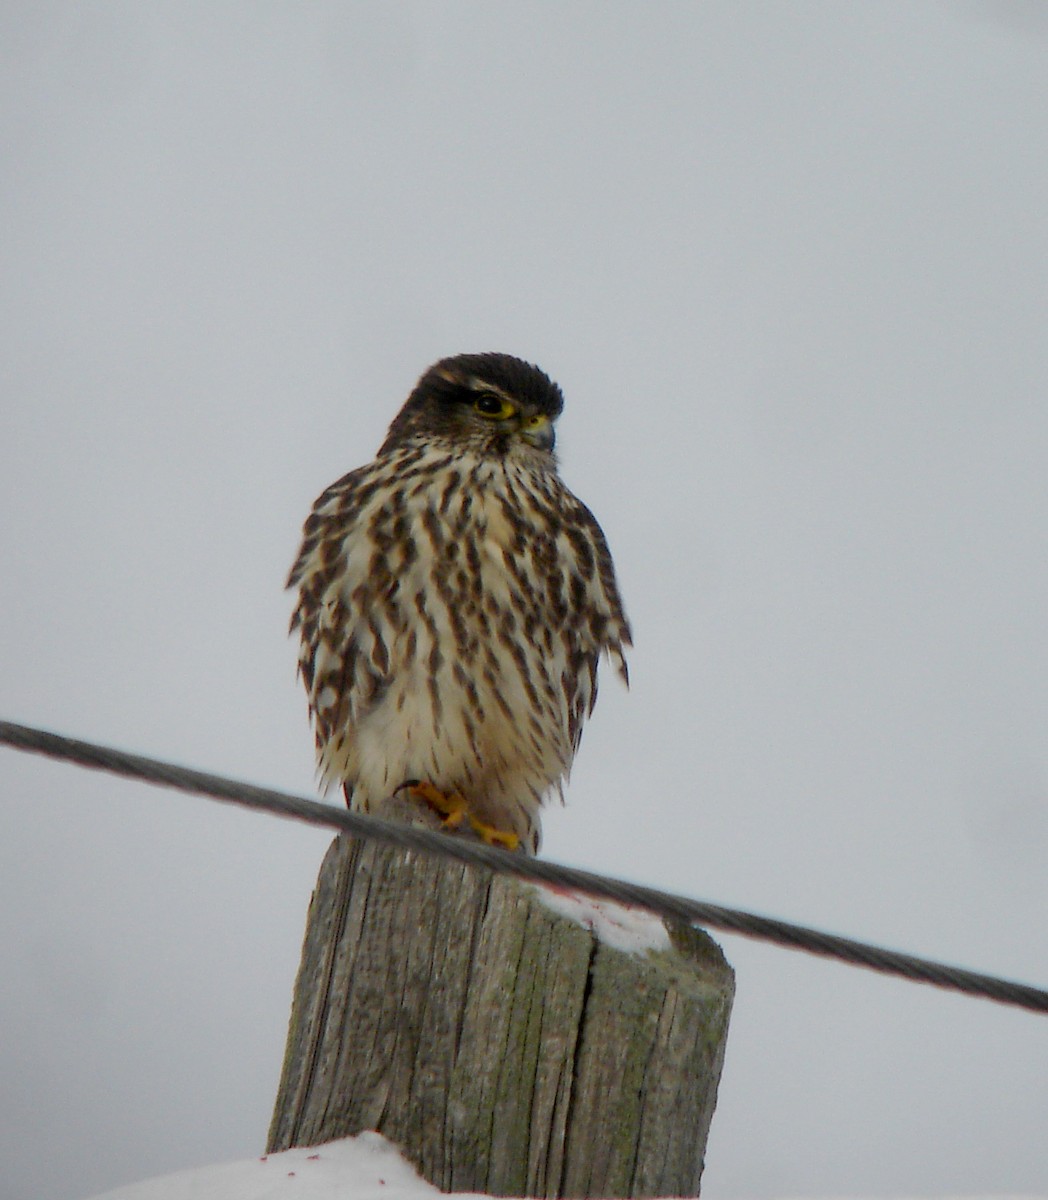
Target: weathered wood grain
(501,1045)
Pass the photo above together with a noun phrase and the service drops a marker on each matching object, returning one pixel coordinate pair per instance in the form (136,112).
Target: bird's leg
(452,808)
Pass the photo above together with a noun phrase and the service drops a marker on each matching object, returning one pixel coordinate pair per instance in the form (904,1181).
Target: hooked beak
(537,430)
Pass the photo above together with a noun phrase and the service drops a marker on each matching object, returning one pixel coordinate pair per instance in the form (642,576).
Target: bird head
(493,404)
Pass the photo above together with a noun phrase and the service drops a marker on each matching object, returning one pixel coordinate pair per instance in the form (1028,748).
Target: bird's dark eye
(490,405)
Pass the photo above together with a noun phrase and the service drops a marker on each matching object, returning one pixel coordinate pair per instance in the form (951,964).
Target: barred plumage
(453,601)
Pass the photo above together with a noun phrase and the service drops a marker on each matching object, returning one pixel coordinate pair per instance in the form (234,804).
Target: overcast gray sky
(790,264)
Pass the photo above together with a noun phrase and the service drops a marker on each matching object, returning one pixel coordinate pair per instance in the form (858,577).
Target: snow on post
(511,1040)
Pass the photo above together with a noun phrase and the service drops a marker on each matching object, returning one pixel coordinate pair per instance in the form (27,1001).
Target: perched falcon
(453,601)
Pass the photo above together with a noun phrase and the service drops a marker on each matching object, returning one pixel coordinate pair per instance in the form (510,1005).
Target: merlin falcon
(454,599)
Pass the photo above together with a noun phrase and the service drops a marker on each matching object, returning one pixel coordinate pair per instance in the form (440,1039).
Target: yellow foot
(452,808)
(492,836)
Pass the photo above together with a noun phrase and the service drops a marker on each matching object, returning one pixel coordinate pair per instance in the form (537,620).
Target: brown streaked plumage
(453,601)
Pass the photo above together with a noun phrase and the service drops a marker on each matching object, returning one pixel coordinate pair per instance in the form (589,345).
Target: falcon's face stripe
(453,601)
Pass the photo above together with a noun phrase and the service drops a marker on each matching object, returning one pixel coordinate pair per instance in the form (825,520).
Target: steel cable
(663,904)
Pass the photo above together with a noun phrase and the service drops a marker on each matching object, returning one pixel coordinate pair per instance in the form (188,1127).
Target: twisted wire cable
(663,904)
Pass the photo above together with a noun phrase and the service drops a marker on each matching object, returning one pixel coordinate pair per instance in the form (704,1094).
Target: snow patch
(361,1168)
(631,930)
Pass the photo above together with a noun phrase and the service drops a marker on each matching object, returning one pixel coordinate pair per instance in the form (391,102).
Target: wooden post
(507,1048)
